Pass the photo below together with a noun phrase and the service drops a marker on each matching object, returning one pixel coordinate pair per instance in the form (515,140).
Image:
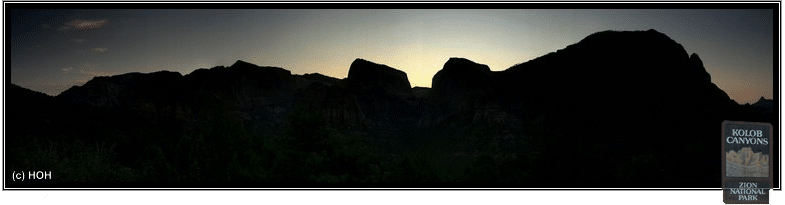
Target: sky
(52,50)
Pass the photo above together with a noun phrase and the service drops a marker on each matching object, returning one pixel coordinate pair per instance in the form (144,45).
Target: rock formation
(383,93)
(461,84)
(746,163)
(365,76)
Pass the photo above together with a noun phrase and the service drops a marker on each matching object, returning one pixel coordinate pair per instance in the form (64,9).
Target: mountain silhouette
(622,92)
(617,109)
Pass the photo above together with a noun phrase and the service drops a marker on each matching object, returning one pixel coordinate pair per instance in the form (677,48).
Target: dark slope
(618,97)
(27,110)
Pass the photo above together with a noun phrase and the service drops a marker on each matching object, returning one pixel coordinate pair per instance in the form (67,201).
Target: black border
(615,5)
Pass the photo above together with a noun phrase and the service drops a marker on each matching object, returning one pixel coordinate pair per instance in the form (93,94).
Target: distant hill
(617,109)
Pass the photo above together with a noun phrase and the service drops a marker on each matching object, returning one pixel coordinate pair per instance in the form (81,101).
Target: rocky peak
(764,104)
(461,82)
(697,69)
(246,68)
(242,84)
(765,109)
(243,64)
(649,60)
(465,65)
(763,100)
(651,38)
(463,73)
(365,76)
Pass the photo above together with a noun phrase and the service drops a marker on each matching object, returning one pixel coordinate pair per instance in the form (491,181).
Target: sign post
(746,154)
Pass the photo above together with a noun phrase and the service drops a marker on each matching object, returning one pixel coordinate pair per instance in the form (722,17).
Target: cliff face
(383,94)
(462,84)
(614,99)
(365,76)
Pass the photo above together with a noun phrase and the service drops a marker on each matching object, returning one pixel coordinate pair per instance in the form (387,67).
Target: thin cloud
(100,50)
(67,70)
(86,24)
(83,24)
(87,68)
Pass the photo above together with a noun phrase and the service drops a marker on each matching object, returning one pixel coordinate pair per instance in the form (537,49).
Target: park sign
(746,155)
